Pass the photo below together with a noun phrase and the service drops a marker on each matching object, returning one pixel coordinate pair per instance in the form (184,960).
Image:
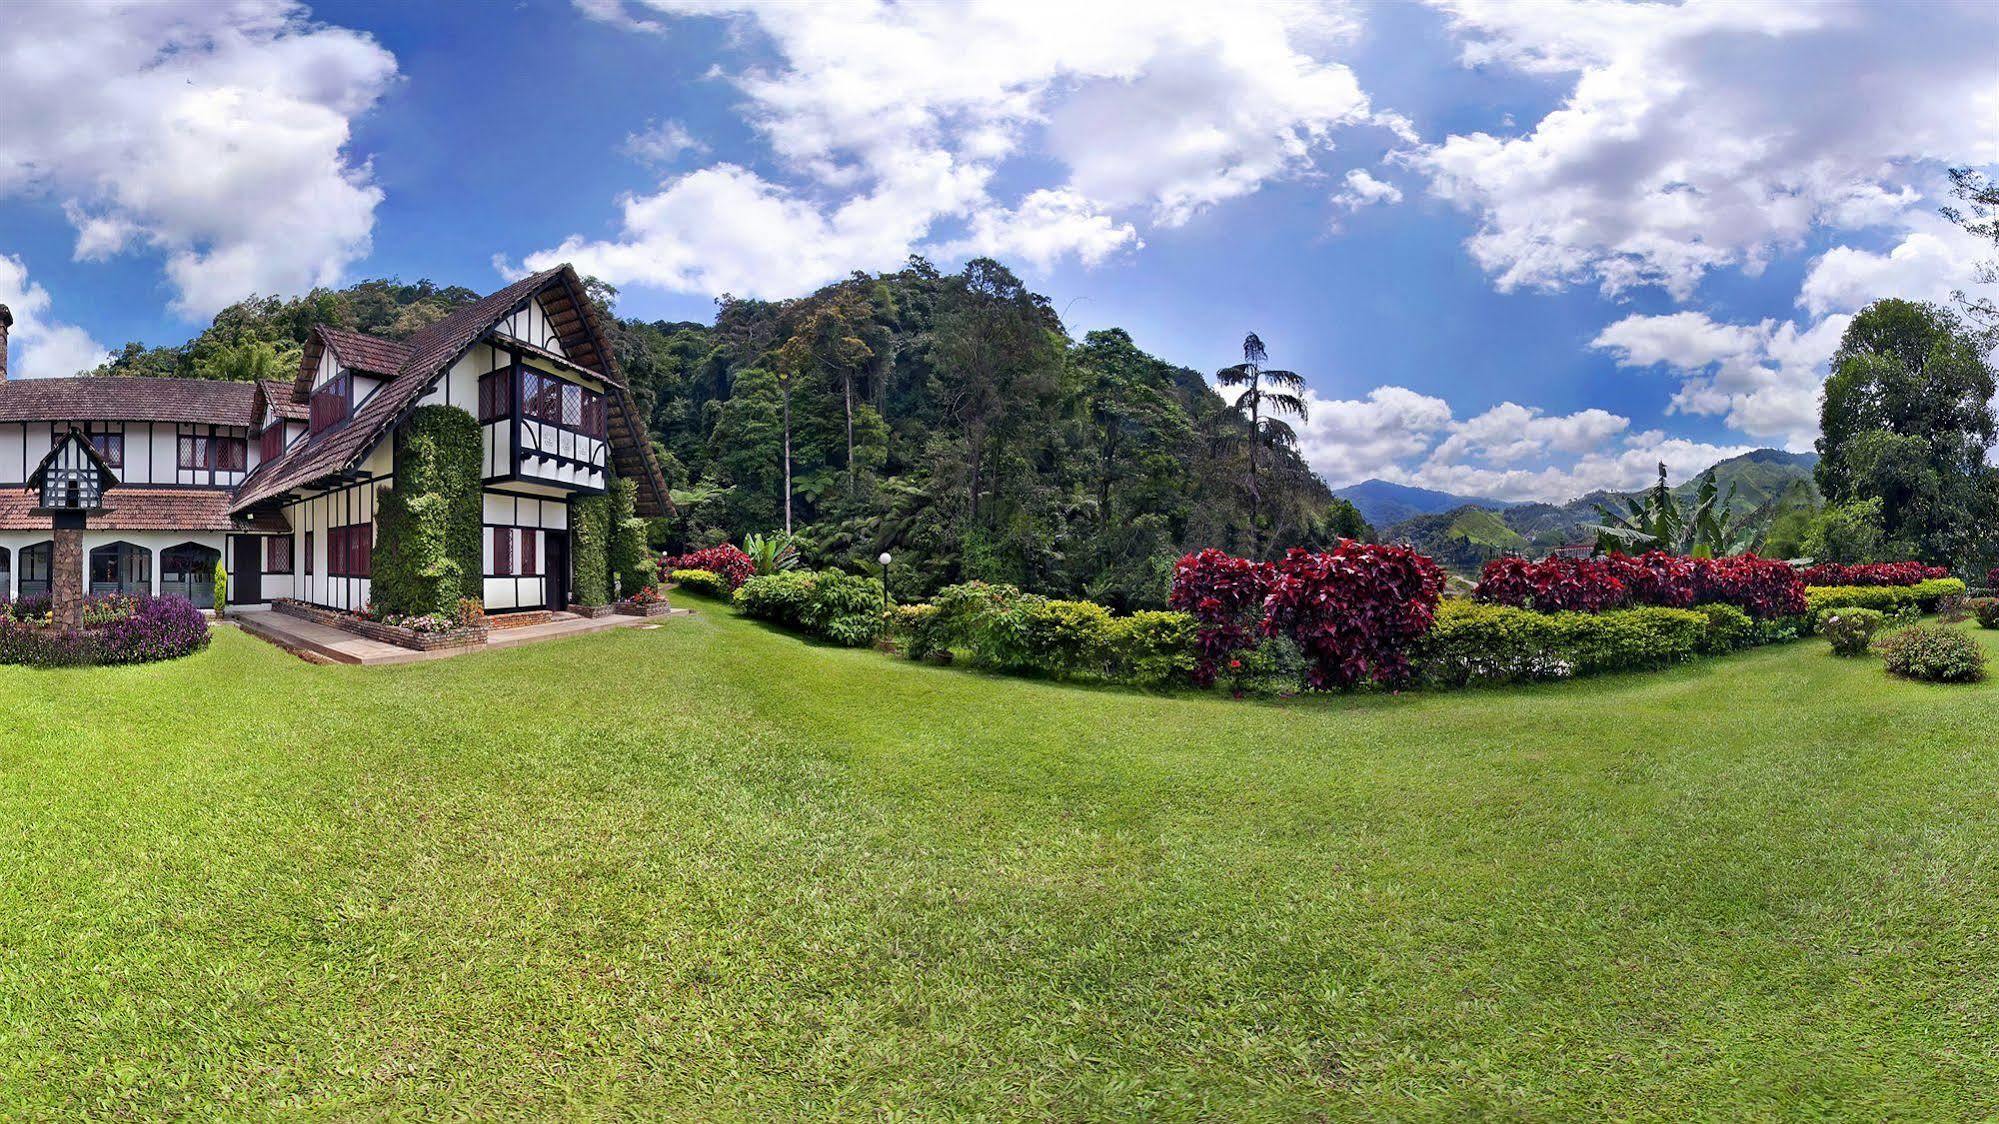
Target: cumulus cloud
(890,122)
(213,133)
(41,346)
(1710,134)
(662,142)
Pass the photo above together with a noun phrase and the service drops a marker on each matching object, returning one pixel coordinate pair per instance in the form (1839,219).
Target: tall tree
(1262,408)
(1979,216)
(1907,418)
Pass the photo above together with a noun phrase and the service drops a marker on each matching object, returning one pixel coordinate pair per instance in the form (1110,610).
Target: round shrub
(725,561)
(705,582)
(159,628)
(1934,654)
(842,608)
(1986,609)
(1851,631)
(1728,629)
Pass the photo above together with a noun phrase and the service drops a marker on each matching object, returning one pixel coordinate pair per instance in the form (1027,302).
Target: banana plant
(1706,529)
(772,553)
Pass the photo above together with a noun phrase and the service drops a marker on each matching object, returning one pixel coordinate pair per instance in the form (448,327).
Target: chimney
(6,322)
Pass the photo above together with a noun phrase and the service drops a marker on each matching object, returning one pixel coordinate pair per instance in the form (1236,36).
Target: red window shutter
(503,541)
(529,554)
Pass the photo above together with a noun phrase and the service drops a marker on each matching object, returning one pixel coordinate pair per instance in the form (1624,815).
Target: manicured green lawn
(707,870)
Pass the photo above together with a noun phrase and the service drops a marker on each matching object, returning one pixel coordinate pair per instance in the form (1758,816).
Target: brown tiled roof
(112,398)
(135,508)
(431,350)
(284,400)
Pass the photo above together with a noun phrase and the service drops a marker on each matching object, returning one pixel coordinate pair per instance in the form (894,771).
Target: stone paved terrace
(324,644)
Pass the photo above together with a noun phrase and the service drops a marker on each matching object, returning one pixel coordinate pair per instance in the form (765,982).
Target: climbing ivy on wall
(589,546)
(631,565)
(427,527)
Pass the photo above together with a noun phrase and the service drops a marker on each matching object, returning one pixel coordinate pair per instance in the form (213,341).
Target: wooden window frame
(276,560)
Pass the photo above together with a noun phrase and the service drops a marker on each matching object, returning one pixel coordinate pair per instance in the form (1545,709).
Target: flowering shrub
(1992,578)
(467,613)
(726,562)
(1353,611)
(1656,578)
(1934,654)
(1224,594)
(1986,609)
(1871,573)
(156,628)
(1851,631)
(647,595)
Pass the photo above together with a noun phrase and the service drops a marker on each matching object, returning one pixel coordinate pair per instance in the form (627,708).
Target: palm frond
(1276,431)
(1289,380)
(1285,404)
(1235,376)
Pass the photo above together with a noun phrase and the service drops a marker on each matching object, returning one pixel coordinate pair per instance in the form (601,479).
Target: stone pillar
(66,578)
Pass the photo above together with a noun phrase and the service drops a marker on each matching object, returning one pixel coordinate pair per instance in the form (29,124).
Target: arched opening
(36,563)
(188,570)
(121,567)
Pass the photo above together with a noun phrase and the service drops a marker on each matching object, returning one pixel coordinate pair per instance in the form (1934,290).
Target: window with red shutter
(529,553)
(503,553)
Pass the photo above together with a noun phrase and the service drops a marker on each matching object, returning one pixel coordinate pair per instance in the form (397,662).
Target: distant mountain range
(1462,532)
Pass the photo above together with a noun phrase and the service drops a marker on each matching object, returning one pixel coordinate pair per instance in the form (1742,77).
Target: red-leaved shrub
(1554,585)
(1761,587)
(1992,578)
(1656,578)
(1225,595)
(1354,611)
(1871,573)
(727,562)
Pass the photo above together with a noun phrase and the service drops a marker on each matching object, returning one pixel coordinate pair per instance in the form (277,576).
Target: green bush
(1986,609)
(1151,648)
(632,566)
(842,608)
(1921,597)
(915,628)
(1048,637)
(1473,642)
(1851,631)
(1934,654)
(428,556)
(1728,629)
(705,582)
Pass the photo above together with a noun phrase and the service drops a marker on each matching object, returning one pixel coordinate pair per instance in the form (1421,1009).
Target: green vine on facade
(429,520)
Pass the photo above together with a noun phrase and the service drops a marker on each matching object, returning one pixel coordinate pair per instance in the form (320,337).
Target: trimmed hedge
(428,555)
(1923,596)
(1482,643)
(842,608)
(1000,627)
(705,582)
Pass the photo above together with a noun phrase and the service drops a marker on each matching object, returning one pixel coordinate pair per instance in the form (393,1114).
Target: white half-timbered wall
(151,455)
(530,325)
(509,515)
(313,517)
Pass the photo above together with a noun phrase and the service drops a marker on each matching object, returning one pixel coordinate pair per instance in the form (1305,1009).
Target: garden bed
(419,640)
(117,629)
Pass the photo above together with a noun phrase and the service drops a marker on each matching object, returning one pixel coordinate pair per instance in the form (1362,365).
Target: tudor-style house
(280,480)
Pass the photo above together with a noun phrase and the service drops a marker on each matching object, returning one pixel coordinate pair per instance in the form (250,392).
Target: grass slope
(708,870)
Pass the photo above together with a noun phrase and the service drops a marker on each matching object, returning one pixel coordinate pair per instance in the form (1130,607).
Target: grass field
(707,870)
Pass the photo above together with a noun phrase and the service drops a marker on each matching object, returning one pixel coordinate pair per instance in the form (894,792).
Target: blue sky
(1518,250)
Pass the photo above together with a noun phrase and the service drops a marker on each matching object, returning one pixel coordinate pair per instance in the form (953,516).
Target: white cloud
(662,142)
(890,123)
(213,133)
(39,345)
(1711,134)
(1763,378)
(1349,440)
(1933,259)
(1626,467)
(1511,432)
(1363,190)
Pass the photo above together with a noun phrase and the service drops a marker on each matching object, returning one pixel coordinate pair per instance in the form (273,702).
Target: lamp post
(884,560)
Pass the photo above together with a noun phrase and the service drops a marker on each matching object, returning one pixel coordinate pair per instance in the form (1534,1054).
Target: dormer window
(332,402)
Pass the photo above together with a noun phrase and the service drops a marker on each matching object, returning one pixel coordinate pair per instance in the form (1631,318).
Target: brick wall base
(473,637)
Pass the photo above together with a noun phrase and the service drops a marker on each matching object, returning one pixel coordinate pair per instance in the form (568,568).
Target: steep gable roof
(432,350)
(282,397)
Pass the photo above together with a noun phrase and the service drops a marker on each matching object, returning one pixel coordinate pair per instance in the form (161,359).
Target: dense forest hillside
(947,418)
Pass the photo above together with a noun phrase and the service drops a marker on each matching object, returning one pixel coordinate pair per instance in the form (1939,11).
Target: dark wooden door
(555,563)
(248,571)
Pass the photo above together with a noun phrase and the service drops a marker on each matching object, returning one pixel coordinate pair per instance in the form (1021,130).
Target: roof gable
(431,351)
